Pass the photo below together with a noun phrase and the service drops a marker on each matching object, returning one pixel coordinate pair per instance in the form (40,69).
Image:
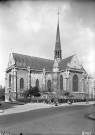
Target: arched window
(49,85)
(37,83)
(75,83)
(21,83)
(9,80)
(61,82)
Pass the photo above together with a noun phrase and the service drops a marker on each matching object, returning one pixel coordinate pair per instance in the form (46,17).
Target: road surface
(64,120)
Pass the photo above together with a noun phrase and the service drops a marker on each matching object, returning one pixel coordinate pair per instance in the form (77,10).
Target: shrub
(23,100)
(2,94)
(79,100)
(33,91)
(26,94)
(62,100)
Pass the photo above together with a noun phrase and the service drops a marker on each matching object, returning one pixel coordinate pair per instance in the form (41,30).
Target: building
(94,87)
(0,87)
(91,86)
(58,75)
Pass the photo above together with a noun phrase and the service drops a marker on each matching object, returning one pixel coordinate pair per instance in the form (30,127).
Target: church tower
(58,51)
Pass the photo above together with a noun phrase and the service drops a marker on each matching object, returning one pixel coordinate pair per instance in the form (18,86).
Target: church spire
(57,52)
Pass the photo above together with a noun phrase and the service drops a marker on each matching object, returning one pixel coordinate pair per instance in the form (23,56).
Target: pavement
(47,120)
(32,106)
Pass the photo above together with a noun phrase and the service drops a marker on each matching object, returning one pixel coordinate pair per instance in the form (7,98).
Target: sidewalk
(32,106)
(24,108)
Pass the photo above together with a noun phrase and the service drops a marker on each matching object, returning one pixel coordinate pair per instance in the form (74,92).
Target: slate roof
(58,43)
(40,63)
(34,62)
(63,63)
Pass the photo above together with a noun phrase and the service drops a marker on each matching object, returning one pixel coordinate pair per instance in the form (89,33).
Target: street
(65,120)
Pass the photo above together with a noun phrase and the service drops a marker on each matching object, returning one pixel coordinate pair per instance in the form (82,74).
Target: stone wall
(80,89)
(55,80)
(22,74)
(37,75)
(48,77)
(81,85)
(79,95)
(53,77)
(64,81)
(42,79)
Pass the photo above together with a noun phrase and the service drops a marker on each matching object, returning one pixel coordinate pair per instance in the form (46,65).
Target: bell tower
(58,51)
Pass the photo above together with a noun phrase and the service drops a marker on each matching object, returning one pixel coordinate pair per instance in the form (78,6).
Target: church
(57,76)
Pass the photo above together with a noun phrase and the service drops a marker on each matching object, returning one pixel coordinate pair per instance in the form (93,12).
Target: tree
(2,93)
(66,93)
(26,94)
(33,91)
(69,96)
(36,92)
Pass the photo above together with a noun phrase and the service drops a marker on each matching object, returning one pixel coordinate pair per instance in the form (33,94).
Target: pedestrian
(87,101)
(68,101)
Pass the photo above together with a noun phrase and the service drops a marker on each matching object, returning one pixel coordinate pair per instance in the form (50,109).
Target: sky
(29,27)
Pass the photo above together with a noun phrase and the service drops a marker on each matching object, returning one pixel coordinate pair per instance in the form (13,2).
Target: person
(70,100)
(87,100)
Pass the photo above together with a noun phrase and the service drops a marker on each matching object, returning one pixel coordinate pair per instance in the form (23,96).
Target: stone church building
(58,75)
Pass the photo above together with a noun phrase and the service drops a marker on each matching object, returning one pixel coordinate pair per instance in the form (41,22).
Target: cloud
(30,28)
(66,7)
(89,62)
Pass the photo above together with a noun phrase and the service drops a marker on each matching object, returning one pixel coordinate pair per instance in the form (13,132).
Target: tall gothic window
(9,80)
(21,83)
(49,85)
(61,82)
(37,83)
(75,83)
